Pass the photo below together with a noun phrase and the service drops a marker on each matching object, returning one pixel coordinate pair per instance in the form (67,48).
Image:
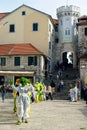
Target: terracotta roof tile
(12,49)
(83,22)
(55,21)
(2,15)
(83,17)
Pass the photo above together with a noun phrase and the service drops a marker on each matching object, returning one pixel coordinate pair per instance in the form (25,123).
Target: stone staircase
(63,93)
(68,76)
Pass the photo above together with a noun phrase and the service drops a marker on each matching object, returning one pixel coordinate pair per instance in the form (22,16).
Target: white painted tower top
(68,8)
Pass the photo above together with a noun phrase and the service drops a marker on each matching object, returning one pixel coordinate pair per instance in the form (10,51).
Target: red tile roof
(55,21)
(82,20)
(82,17)
(2,15)
(13,49)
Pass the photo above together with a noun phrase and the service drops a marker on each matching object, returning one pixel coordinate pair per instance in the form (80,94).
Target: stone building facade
(60,40)
(18,60)
(82,47)
(28,25)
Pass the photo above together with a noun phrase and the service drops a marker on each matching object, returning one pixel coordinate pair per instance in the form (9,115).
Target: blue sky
(47,6)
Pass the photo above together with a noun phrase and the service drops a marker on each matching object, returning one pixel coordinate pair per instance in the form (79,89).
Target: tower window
(85,31)
(67,32)
(61,22)
(56,40)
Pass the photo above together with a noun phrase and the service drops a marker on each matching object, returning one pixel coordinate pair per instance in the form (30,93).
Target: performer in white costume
(75,89)
(23,102)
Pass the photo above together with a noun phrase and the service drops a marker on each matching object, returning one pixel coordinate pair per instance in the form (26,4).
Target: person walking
(50,92)
(3,92)
(75,89)
(85,89)
(62,84)
(52,84)
(71,93)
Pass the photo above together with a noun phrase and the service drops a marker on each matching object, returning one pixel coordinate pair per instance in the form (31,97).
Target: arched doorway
(67,59)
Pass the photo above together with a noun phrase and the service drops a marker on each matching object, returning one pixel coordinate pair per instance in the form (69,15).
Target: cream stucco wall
(38,38)
(23,28)
(17,19)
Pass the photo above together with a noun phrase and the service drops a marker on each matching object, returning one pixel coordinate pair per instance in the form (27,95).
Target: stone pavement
(46,115)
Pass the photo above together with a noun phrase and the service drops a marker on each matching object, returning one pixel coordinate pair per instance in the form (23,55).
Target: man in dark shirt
(3,92)
(52,84)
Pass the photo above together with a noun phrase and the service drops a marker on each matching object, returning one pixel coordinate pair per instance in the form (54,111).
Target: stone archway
(67,59)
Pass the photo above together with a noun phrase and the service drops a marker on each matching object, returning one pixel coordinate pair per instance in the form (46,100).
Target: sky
(46,6)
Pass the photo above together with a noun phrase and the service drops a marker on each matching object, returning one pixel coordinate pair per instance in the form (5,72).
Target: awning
(17,73)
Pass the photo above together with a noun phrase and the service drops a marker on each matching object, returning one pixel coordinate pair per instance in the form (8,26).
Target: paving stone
(46,115)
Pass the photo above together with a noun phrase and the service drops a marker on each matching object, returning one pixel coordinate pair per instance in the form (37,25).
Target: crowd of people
(25,93)
(74,93)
